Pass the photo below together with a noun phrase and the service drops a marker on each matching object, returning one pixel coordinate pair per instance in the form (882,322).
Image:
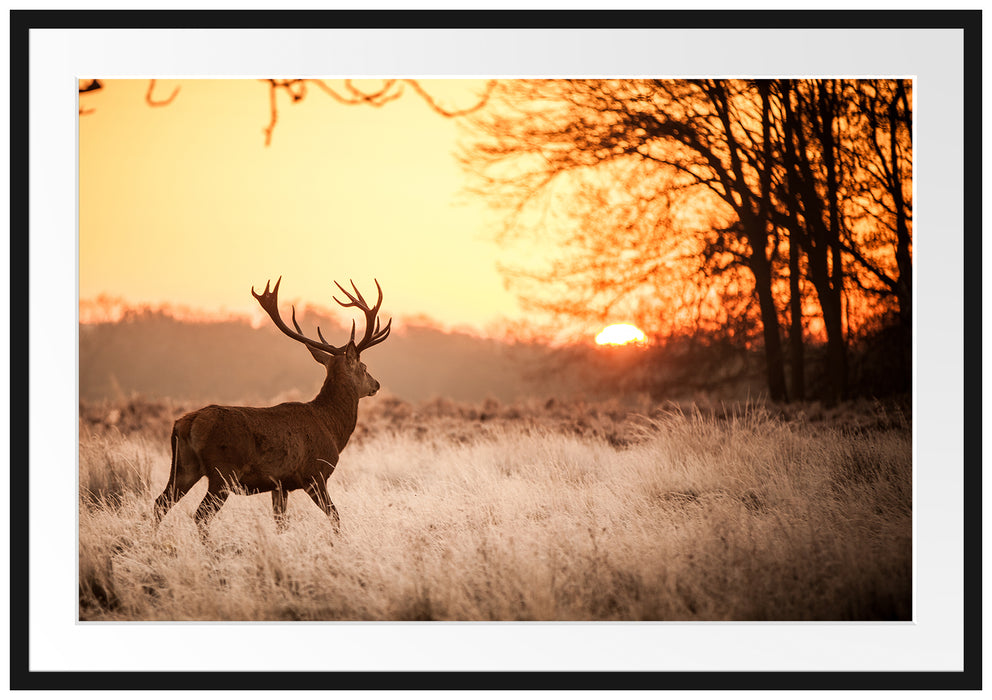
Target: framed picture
(75,161)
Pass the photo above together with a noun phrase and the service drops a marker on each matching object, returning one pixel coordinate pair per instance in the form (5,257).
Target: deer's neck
(337,403)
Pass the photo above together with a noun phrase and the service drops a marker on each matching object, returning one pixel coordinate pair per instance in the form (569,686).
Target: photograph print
(612,349)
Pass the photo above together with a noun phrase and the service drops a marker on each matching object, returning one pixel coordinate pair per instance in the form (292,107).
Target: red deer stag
(280,448)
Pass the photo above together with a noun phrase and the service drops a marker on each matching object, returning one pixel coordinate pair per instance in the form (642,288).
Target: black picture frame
(21,675)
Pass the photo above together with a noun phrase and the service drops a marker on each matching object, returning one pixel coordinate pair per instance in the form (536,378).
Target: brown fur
(279,448)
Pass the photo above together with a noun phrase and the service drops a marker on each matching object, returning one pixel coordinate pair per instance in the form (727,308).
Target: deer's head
(344,365)
(348,369)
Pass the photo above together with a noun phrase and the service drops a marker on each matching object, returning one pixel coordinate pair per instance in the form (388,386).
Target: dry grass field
(532,511)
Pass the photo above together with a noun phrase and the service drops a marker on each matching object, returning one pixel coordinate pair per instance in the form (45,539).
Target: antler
(371,337)
(269,301)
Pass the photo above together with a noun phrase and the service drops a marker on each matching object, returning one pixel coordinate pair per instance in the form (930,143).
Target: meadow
(535,510)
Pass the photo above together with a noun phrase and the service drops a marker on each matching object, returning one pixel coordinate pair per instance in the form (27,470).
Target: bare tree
(812,163)
(882,203)
(696,155)
(848,200)
(662,193)
(349,93)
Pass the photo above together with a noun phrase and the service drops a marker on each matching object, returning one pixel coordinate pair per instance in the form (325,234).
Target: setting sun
(620,334)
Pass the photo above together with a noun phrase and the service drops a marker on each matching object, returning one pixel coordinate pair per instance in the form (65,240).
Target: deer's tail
(175,455)
(168,496)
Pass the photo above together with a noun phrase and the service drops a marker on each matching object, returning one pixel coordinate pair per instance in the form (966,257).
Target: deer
(279,448)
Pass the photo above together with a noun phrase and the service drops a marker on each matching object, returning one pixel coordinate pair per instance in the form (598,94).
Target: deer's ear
(321,356)
(351,352)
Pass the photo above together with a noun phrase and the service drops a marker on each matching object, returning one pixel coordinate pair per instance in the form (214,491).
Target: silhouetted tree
(662,193)
(847,198)
(696,206)
(695,158)
(882,154)
(296,89)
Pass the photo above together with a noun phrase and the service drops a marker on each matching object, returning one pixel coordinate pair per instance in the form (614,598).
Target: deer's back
(288,444)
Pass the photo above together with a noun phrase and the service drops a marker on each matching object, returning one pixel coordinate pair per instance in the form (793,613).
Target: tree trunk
(836,349)
(832,307)
(754,216)
(904,260)
(797,357)
(774,364)
(820,232)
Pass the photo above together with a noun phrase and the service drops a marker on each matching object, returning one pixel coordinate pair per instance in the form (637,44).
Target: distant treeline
(152,354)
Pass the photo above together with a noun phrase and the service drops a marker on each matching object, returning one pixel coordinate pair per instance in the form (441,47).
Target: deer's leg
(317,490)
(182,477)
(279,508)
(217,493)
(173,493)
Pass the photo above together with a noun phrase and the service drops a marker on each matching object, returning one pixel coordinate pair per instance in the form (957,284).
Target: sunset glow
(192,191)
(185,206)
(620,334)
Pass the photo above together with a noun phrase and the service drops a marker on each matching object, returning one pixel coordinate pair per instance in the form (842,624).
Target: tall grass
(735,515)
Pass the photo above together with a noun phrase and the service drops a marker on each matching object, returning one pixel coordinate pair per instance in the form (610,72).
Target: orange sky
(185,204)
